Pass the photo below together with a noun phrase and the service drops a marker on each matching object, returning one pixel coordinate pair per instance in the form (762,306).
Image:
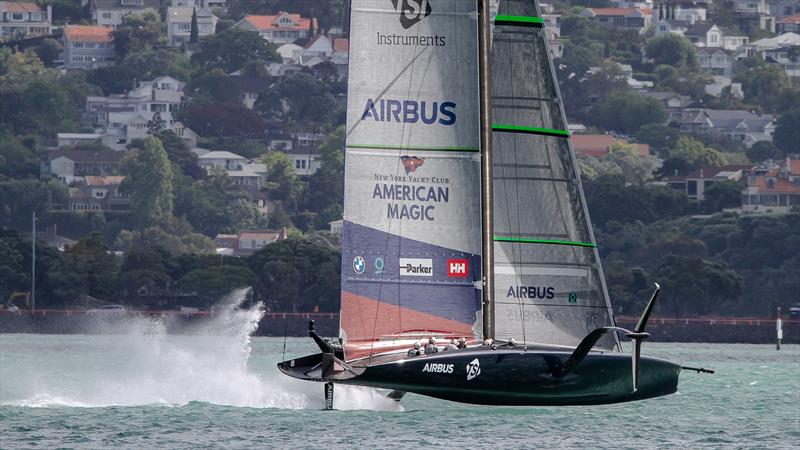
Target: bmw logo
(359,265)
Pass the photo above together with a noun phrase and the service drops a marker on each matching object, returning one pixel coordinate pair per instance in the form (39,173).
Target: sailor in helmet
(431,347)
(415,350)
(462,343)
(451,345)
(512,342)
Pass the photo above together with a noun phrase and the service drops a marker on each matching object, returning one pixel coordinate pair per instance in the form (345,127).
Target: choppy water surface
(219,388)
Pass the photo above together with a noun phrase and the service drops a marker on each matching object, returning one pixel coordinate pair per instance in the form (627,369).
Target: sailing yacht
(464,217)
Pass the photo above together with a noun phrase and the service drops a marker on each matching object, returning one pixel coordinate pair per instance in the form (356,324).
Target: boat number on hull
(473,369)
(438,368)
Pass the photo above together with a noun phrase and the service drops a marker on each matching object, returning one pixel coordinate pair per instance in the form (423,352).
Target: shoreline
(728,330)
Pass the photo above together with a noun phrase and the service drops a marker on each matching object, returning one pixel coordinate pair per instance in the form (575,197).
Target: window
(297,164)
(106,15)
(184,26)
(36,16)
(17,17)
(77,45)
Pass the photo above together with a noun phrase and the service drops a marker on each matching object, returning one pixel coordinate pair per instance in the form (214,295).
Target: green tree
(307,99)
(325,193)
(231,49)
(764,85)
(137,32)
(672,50)
(212,283)
(216,85)
(660,137)
(48,51)
(95,265)
(787,131)
(282,181)
(762,151)
(696,286)
(723,194)
(193,31)
(223,120)
(695,154)
(149,181)
(628,112)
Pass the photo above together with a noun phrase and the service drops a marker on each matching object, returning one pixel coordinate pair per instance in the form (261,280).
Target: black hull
(506,377)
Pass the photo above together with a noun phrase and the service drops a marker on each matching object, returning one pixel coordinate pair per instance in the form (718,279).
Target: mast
(33,262)
(487,209)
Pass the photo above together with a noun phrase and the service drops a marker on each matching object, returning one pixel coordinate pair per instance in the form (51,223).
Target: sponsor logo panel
(473,369)
(412,11)
(532,292)
(457,268)
(438,368)
(416,267)
(359,265)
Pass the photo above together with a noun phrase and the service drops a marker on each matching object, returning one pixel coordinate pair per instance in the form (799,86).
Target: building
(673,103)
(630,18)
(97,193)
(753,15)
(708,35)
(209,4)
(716,61)
(248,242)
(249,87)
(743,126)
(776,189)
(599,145)
(689,11)
(696,183)
(70,165)
(249,175)
(306,160)
(24,19)
(671,26)
(179,24)
(220,160)
(282,28)
(336,227)
(790,24)
(778,50)
(88,46)
(109,13)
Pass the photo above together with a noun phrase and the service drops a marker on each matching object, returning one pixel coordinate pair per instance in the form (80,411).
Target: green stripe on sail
(521,21)
(542,241)
(530,130)
(407,147)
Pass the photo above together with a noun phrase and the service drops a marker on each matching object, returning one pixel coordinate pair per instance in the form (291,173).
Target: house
(671,26)
(306,160)
(790,24)
(673,103)
(779,50)
(775,190)
(282,28)
(109,13)
(708,35)
(70,139)
(743,126)
(247,242)
(629,18)
(97,193)
(716,61)
(599,145)
(71,165)
(88,46)
(209,4)
(249,175)
(336,226)
(696,183)
(24,19)
(249,87)
(690,11)
(753,15)
(179,24)
(221,160)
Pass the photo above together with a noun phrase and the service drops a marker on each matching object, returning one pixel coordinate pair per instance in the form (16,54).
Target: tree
(763,85)
(698,286)
(723,194)
(672,50)
(215,85)
(762,151)
(149,181)
(137,32)
(628,112)
(660,137)
(94,264)
(179,154)
(634,167)
(695,154)
(307,100)
(145,64)
(787,131)
(326,187)
(193,31)
(223,119)
(212,283)
(609,199)
(282,181)
(232,48)
(48,51)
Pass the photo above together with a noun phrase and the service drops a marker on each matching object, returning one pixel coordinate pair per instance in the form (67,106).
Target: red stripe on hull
(370,327)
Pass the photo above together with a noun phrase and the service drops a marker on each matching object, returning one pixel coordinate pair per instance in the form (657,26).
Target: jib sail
(549,287)
(411,233)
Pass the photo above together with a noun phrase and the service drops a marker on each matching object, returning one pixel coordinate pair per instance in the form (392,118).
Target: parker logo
(412,163)
(457,268)
(473,369)
(412,11)
(438,368)
(413,267)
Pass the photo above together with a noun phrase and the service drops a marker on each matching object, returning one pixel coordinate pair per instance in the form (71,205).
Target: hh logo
(411,163)
(457,268)
(473,369)
(412,11)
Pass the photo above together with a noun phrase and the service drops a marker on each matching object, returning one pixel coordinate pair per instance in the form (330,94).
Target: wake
(210,362)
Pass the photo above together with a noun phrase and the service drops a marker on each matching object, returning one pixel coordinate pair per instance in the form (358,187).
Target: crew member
(462,343)
(512,342)
(431,347)
(451,346)
(415,350)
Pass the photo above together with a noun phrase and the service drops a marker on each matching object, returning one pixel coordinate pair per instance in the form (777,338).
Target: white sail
(411,234)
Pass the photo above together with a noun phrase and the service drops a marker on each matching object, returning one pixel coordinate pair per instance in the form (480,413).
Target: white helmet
(512,341)
(432,340)
(487,342)
(416,345)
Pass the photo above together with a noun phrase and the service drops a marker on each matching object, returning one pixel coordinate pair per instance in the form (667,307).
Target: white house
(716,61)
(110,12)
(179,24)
(24,19)
(200,3)
(306,160)
(221,160)
(282,28)
(627,18)
(690,11)
(88,46)
(708,35)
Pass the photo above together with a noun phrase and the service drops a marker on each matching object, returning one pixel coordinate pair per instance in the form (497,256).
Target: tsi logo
(414,267)
(457,268)
(412,11)
(473,369)
(438,368)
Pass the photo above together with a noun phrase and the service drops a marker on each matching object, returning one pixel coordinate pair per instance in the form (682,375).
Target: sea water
(216,387)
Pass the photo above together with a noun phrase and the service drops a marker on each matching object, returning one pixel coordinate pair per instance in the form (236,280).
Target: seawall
(712,330)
